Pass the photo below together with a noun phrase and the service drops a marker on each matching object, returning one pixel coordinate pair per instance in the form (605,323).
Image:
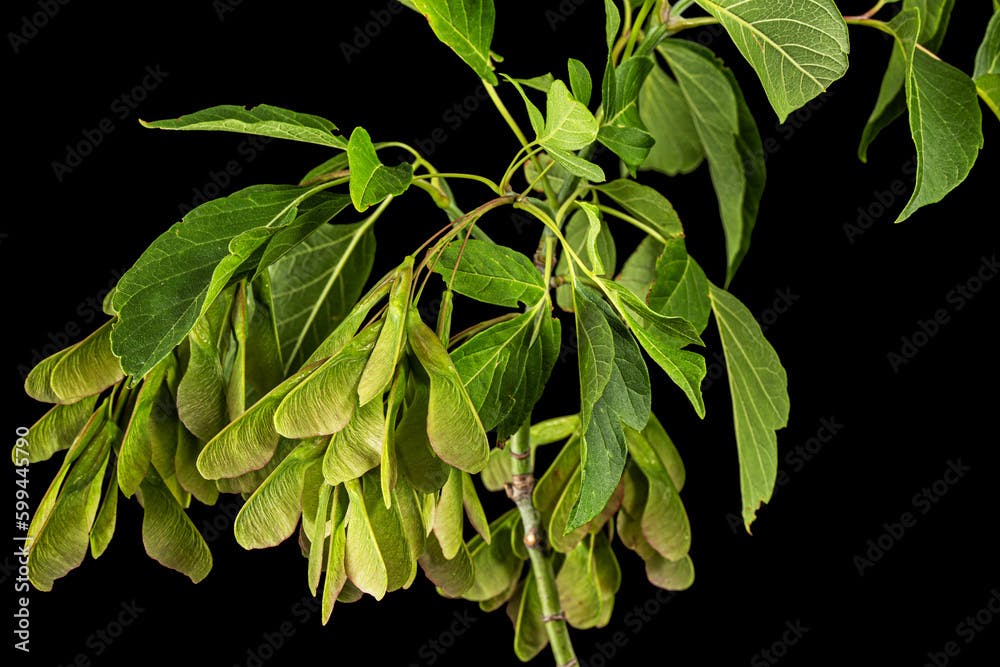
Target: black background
(854,296)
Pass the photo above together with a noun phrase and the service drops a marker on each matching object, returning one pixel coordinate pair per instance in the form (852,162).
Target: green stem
(520,491)
(470,177)
(881,26)
(521,138)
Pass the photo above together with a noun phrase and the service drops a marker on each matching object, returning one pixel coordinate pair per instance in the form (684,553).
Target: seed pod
(495,565)
(57,428)
(248,442)
(453,427)
(201,393)
(336,574)
(358,447)
(452,576)
(417,461)
(104,524)
(324,402)
(270,515)
(136,450)
(186,470)
(448,518)
(525,612)
(664,522)
(381,366)
(81,370)
(60,531)
(169,535)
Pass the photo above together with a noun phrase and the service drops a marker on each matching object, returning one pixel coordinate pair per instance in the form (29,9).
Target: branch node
(558,616)
(520,456)
(520,487)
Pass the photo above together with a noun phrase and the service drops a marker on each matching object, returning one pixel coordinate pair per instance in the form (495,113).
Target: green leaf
(945,119)
(622,130)
(665,113)
(372,181)
(569,125)
(988,54)
(614,390)
(498,366)
(534,115)
(61,526)
(759,389)
(577,233)
(323,402)
(631,144)
(525,612)
(169,535)
(891,102)
(797,49)
(177,278)
(322,171)
(264,120)
(663,337)
(654,211)
(83,369)
(680,287)
(453,427)
(271,513)
(381,366)
(577,165)
(57,428)
(249,442)
(612,22)
(579,81)
(467,27)
(316,285)
(729,137)
(491,273)
(988,86)
(639,270)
